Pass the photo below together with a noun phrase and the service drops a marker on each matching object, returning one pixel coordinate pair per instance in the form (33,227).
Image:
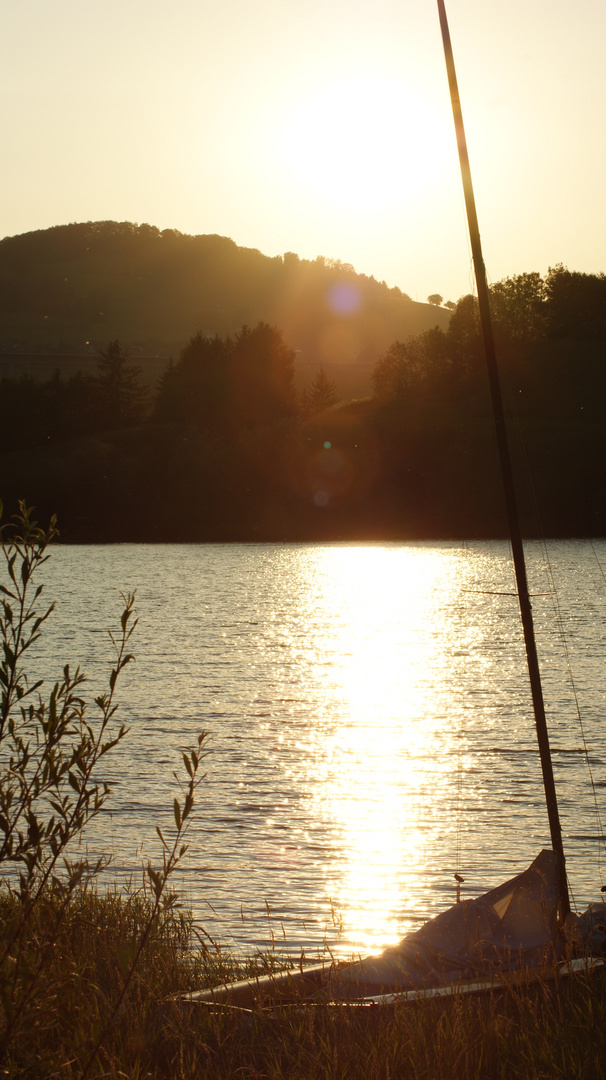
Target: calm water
(369,718)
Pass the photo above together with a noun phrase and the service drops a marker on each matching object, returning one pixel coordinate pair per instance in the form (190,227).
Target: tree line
(217,383)
(227,449)
(432,396)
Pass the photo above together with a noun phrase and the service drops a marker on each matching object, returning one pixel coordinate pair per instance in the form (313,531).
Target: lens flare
(344,299)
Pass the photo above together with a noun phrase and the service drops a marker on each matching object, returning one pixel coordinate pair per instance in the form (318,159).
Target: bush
(50,750)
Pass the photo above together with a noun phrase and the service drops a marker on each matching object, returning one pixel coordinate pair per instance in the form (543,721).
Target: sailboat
(523,930)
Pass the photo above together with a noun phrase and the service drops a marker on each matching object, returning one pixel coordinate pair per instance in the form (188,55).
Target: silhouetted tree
(423,361)
(22,412)
(261,375)
(122,398)
(70,407)
(518,306)
(435,299)
(195,389)
(224,382)
(319,396)
(464,342)
(576,304)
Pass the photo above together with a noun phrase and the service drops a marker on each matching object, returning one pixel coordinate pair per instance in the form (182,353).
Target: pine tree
(318,397)
(122,396)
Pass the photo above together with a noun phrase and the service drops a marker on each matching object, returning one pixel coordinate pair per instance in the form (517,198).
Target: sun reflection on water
(380,762)
(371,726)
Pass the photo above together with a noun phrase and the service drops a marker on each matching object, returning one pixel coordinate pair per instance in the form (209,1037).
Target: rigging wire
(559,620)
(459,831)
(597,559)
(459,780)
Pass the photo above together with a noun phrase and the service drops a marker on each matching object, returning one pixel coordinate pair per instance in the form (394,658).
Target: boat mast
(506,470)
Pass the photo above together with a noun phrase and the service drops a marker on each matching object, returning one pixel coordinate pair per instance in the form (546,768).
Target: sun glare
(378,769)
(364,143)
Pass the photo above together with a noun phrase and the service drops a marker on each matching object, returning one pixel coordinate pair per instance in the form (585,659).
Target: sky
(322,128)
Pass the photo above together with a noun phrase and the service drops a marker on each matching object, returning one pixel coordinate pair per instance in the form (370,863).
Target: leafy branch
(49,751)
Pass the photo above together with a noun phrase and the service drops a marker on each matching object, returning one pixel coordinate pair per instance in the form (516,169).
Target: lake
(369,718)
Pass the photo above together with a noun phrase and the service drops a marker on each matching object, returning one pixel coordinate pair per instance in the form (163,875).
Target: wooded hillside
(76,287)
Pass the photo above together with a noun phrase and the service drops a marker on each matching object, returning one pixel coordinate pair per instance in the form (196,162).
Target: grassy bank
(156,1034)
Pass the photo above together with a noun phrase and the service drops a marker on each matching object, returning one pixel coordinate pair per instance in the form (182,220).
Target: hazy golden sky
(319,127)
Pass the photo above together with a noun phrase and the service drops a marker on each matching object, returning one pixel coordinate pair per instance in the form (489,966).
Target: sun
(364,143)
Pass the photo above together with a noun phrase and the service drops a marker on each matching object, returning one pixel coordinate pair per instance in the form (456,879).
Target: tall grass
(537,1034)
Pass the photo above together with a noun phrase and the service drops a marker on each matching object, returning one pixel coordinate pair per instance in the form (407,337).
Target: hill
(72,288)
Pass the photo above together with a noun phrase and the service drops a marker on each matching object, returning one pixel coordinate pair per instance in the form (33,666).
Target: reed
(518,1034)
(157,1033)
